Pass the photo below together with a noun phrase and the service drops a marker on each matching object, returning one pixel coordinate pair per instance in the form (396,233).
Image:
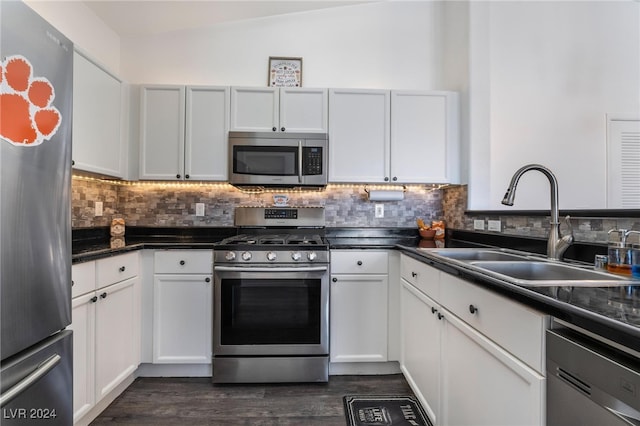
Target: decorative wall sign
(285,72)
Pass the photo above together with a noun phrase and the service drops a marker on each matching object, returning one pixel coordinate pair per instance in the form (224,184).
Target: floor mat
(379,410)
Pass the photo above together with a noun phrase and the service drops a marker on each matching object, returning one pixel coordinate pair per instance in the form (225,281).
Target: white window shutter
(623,164)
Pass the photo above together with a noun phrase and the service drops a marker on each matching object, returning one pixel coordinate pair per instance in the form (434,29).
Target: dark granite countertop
(613,313)
(371,238)
(95,243)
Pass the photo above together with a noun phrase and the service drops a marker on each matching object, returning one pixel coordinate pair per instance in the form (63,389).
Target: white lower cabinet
(485,385)
(420,353)
(117,334)
(106,319)
(182,307)
(84,338)
(470,371)
(359,306)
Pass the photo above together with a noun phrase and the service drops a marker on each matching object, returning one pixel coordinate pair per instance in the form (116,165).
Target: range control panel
(280,213)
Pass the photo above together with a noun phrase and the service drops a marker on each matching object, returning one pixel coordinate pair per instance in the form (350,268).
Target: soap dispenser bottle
(619,253)
(635,255)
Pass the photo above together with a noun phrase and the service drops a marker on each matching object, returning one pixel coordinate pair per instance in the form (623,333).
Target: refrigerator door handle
(31,379)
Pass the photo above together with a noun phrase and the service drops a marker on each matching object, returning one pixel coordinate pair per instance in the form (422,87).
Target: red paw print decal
(26,115)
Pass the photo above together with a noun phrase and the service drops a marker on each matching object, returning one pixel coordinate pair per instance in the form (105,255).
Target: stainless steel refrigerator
(35,219)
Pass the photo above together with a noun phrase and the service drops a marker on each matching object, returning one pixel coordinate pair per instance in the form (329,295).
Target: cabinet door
(358,318)
(303,110)
(162,132)
(483,384)
(97,101)
(254,109)
(420,347)
(182,321)
(359,134)
(424,138)
(117,334)
(207,124)
(83,326)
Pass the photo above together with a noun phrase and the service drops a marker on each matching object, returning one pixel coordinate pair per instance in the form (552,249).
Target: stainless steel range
(271,298)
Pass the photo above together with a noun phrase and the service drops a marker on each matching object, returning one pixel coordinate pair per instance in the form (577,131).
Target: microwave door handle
(299,161)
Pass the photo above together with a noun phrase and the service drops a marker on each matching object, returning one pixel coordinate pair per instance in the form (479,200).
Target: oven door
(266,311)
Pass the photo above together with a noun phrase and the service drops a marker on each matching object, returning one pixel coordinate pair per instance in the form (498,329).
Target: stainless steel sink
(527,270)
(468,255)
(543,273)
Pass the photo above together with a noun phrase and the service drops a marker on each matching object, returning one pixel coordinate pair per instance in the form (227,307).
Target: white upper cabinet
(304,110)
(272,109)
(98,145)
(359,135)
(162,132)
(207,126)
(184,132)
(424,137)
(381,136)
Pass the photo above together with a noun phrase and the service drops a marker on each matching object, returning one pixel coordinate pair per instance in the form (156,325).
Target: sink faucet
(556,245)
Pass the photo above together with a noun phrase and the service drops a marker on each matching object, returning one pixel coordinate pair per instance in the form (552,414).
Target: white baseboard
(174,370)
(363,368)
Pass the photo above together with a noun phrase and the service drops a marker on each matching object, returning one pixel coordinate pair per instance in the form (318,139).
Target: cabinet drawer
(117,268)
(183,262)
(422,276)
(515,327)
(359,262)
(83,278)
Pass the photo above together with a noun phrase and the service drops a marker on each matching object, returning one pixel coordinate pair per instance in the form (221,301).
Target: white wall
(83,28)
(543,76)
(379,45)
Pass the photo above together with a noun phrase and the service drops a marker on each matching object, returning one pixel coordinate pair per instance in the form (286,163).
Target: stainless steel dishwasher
(589,382)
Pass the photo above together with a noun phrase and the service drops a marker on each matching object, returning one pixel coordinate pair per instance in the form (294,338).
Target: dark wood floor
(196,401)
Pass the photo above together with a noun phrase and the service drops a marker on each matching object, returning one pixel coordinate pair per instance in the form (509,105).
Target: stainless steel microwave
(278,159)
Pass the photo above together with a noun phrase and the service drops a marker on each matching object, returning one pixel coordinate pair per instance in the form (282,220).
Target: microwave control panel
(312,161)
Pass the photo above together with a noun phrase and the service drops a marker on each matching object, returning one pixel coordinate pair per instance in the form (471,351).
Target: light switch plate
(478,225)
(98,210)
(379,210)
(494,225)
(199,209)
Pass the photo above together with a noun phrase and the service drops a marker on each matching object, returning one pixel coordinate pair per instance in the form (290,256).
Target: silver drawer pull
(31,379)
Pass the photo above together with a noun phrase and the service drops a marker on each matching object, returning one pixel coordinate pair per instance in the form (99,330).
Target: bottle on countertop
(619,253)
(635,255)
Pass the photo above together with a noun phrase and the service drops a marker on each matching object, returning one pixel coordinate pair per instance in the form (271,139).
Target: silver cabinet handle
(31,379)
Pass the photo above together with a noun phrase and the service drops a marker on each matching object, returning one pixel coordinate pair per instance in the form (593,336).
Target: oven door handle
(271,269)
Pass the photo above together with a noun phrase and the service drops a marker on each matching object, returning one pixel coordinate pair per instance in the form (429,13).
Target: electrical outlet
(199,209)
(478,225)
(98,208)
(494,225)
(379,210)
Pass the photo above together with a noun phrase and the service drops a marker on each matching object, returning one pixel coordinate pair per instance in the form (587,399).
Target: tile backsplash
(174,204)
(168,204)
(588,230)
